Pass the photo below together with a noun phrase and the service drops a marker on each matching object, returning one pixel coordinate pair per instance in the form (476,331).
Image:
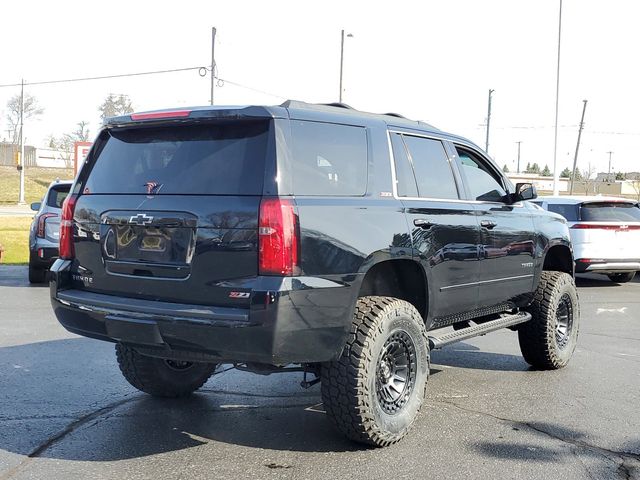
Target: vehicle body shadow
(595,280)
(77,406)
(464,355)
(17,276)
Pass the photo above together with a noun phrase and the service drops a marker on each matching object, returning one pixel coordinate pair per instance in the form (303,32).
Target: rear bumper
(291,320)
(607,265)
(43,256)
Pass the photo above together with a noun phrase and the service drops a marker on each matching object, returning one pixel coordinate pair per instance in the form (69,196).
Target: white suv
(605,233)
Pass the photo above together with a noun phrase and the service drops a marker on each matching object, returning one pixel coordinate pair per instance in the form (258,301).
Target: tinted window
(610,212)
(328,159)
(569,212)
(57,195)
(405,179)
(225,159)
(432,169)
(483,184)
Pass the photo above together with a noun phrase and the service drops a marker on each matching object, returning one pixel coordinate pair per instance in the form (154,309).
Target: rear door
(444,229)
(170,212)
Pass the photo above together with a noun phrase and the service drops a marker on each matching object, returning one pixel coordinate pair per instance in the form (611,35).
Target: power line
(103,77)
(221,81)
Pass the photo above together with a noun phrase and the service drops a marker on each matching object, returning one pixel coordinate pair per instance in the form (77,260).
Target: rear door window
(431,167)
(328,159)
(569,212)
(405,178)
(610,212)
(199,159)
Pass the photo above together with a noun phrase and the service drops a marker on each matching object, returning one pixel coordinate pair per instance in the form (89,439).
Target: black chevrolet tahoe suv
(310,238)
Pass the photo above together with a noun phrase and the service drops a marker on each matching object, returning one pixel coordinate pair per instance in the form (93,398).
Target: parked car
(309,238)
(44,233)
(605,233)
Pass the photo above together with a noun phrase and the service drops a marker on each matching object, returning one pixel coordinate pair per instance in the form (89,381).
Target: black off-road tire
(621,277)
(354,393)
(159,377)
(548,340)
(36,274)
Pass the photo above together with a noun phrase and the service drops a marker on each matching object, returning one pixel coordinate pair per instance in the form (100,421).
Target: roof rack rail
(391,114)
(338,104)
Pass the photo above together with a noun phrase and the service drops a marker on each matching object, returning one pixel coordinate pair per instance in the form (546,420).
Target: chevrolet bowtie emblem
(141,219)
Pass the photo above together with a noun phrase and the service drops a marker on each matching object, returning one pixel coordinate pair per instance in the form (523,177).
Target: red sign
(80,152)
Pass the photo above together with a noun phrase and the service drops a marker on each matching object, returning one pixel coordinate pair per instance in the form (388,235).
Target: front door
(506,232)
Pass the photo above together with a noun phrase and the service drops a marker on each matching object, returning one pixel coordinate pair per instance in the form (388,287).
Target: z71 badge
(239,295)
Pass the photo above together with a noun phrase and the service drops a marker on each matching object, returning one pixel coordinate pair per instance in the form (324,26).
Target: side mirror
(35,206)
(525,191)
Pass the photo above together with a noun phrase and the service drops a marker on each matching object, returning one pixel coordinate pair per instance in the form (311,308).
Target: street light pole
(609,171)
(556,173)
(518,142)
(486,145)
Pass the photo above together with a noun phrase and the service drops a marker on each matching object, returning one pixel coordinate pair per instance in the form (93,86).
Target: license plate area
(163,246)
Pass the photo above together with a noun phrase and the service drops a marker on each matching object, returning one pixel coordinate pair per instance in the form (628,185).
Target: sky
(428,60)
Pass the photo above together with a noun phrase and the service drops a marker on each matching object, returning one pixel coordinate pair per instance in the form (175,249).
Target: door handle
(488,224)
(423,223)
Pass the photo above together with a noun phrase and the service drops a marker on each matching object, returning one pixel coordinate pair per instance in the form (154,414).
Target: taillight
(596,226)
(41,221)
(278,237)
(66,228)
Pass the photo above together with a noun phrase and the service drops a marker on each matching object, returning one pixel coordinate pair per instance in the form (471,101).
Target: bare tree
(66,142)
(115,105)
(31,109)
(636,188)
(588,179)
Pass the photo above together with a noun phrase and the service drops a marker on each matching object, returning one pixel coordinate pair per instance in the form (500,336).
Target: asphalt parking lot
(67,413)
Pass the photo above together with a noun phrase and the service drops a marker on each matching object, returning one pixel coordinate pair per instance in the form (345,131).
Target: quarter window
(431,167)
(329,159)
(406,180)
(482,181)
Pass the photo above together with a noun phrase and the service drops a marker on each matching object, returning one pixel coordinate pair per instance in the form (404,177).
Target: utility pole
(519,142)
(575,157)
(609,171)
(486,144)
(213,60)
(21,161)
(556,173)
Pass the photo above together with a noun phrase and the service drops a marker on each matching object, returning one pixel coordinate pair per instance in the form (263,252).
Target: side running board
(476,330)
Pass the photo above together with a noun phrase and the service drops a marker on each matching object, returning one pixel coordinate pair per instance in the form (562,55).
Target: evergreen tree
(546,172)
(566,173)
(505,169)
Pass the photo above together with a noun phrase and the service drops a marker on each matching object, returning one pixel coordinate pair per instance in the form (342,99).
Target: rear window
(222,159)
(328,159)
(57,194)
(610,212)
(569,212)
